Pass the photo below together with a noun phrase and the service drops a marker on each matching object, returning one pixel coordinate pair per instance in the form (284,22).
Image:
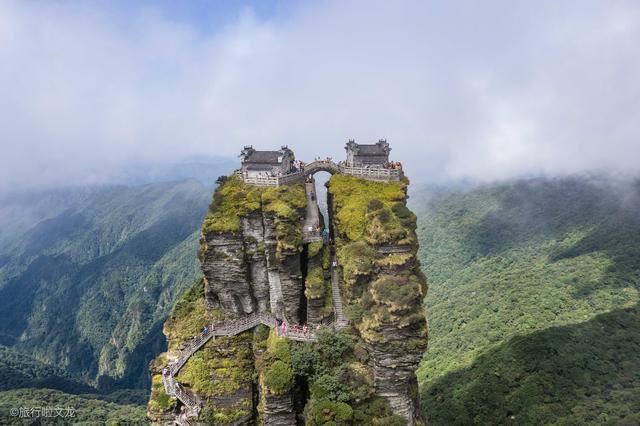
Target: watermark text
(48,412)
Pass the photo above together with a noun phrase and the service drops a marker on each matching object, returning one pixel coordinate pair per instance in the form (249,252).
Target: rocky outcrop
(244,271)
(383,287)
(318,285)
(278,410)
(395,378)
(253,232)
(254,259)
(226,273)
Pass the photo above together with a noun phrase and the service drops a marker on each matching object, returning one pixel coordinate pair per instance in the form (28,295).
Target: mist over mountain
(86,288)
(486,91)
(203,169)
(532,302)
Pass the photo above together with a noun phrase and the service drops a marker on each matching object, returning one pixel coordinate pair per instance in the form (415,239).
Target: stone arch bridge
(321,166)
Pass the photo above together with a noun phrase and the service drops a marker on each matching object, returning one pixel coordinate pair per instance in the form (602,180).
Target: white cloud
(480,90)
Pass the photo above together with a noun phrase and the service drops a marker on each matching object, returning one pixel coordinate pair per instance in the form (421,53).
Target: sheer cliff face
(256,267)
(382,285)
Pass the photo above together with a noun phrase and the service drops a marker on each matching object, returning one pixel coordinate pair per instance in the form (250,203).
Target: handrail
(273,180)
(341,321)
(371,173)
(232,327)
(376,173)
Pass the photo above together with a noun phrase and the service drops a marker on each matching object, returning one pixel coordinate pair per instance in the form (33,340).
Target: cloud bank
(464,89)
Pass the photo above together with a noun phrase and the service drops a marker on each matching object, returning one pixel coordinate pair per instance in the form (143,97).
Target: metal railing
(299,335)
(312,237)
(230,328)
(373,173)
(341,321)
(370,173)
(389,249)
(273,180)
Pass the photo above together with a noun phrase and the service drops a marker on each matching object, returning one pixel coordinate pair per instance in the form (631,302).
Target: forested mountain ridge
(87,289)
(532,304)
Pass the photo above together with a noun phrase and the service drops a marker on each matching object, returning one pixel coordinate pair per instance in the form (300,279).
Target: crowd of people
(297,165)
(284,329)
(394,165)
(327,159)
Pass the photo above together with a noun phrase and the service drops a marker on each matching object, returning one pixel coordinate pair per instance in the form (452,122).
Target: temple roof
(271,157)
(252,156)
(370,149)
(379,148)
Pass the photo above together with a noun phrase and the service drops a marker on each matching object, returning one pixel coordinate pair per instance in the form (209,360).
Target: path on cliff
(235,326)
(227,328)
(311,226)
(341,321)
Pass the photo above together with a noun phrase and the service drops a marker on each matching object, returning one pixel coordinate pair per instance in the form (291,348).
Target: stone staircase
(310,225)
(389,249)
(191,401)
(341,321)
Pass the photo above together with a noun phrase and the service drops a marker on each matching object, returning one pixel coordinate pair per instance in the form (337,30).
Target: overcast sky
(461,89)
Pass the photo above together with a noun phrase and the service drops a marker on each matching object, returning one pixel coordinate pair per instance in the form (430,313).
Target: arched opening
(317,306)
(321,178)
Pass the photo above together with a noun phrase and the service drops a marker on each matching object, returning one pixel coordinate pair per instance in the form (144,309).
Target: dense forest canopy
(532,303)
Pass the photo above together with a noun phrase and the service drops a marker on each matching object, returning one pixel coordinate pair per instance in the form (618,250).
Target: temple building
(367,155)
(266,163)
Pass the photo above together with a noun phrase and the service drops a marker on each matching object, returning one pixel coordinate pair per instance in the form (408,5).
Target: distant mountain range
(203,169)
(85,289)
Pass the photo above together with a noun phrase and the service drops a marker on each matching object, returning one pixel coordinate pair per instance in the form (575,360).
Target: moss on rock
(275,365)
(351,198)
(222,367)
(286,201)
(159,402)
(316,287)
(315,248)
(231,200)
(382,288)
(189,316)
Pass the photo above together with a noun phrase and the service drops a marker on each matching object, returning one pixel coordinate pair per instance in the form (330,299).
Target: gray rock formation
(278,410)
(243,273)
(226,273)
